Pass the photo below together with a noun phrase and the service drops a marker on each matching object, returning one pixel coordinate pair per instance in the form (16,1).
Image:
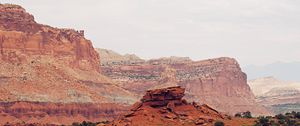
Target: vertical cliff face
(218,82)
(46,64)
(21,37)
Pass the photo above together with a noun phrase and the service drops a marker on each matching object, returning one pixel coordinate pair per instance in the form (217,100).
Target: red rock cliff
(46,64)
(218,82)
(21,37)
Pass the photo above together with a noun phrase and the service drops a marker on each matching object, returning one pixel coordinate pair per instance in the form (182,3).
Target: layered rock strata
(47,64)
(166,107)
(57,113)
(218,82)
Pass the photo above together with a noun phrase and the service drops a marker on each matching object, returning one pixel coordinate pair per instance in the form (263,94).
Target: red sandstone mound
(165,107)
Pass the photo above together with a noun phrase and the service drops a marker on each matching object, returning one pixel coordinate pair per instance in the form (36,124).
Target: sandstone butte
(165,107)
(43,65)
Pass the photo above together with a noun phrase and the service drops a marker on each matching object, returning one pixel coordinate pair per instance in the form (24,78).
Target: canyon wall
(52,75)
(21,37)
(218,82)
(47,64)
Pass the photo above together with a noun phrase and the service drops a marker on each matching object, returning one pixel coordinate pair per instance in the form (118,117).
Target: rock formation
(21,37)
(109,57)
(46,64)
(55,73)
(166,107)
(277,95)
(58,113)
(218,82)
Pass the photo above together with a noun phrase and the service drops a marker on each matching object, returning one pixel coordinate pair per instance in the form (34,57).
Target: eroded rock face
(21,37)
(109,58)
(58,113)
(218,82)
(166,107)
(277,95)
(46,64)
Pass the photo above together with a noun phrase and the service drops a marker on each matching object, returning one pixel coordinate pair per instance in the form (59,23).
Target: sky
(255,32)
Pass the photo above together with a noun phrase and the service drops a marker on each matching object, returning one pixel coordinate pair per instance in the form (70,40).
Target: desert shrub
(297,115)
(219,123)
(75,124)
(262,121)
(281,121)
(273,123)
(238,115)
(280,116)
(84,123)
(229,117)
(291,122)
(247,114)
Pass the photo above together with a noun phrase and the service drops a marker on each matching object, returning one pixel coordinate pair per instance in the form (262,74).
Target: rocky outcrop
(109,57)
(218,82)
(58,113)
(46,64)
(277,95)
(169,60)
(166,107)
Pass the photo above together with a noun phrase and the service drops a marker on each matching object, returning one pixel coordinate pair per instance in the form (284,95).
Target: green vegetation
(285,108)
(246,114)
(288,119)
(85,123)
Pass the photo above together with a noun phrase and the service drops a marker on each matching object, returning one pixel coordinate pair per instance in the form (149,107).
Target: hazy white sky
(252,31)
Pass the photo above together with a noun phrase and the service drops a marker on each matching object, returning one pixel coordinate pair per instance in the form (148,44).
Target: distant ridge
(283,71)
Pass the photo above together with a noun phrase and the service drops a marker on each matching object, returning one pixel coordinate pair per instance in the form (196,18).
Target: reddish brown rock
(21,37)
(58,113)
(218,82)
(181,113)
(47,64)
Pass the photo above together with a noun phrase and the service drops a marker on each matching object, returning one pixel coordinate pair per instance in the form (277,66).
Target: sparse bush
(75,124)
(247,114)
(291,122)
(281,121)
(238,115)
(263,120)
(229,117)
(280,116)
(273,123)
(219,123)
(297,115)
